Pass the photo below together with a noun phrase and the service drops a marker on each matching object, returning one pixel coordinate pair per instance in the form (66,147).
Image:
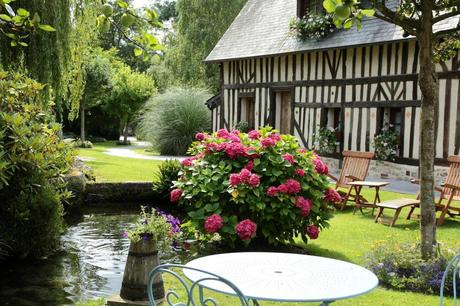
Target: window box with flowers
(313,25)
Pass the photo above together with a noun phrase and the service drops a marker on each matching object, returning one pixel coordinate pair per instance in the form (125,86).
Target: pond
(90,264)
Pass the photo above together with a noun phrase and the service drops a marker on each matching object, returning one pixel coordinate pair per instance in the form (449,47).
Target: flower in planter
(270,181)
(213,223)
(157,226)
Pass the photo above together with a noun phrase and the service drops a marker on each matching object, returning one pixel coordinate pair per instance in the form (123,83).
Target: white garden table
(284,277)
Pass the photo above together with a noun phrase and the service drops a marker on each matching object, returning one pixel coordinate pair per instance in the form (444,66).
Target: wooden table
(397,205)
(358,186)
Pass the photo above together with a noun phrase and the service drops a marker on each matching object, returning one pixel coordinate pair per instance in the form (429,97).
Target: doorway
(282,111)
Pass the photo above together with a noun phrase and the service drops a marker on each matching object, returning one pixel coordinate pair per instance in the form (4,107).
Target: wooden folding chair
(450,191)
(354,168)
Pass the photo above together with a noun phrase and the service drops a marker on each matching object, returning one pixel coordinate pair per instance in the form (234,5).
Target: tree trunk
(82,121)
(125,133)
(429,86)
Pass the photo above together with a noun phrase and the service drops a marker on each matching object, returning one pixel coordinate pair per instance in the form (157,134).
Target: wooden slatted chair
(450,192)
(355,167)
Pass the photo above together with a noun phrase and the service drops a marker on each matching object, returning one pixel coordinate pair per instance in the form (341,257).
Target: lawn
(109,168)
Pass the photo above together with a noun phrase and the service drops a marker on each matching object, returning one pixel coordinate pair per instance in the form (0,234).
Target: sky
(141,3)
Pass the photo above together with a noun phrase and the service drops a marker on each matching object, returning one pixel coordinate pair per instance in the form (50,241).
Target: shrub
(82,144)
(164,179)
(257,184)
(171,120)
(399,266)
(386,144)
(33,160)
(325,141)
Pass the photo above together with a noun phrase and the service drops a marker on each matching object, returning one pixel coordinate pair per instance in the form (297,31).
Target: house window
(391,116)
(331,119)
(248,112)
(308,5)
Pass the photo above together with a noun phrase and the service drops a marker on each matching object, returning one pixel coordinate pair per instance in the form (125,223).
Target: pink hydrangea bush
(260,184)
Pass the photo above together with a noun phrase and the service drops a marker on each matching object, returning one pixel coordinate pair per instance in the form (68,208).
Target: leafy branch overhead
(17,25)
(131,26)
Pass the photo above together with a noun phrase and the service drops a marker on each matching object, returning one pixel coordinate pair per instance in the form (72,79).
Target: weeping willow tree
(55,58)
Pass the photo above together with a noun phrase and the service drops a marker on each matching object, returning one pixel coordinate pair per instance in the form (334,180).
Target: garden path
(128,151)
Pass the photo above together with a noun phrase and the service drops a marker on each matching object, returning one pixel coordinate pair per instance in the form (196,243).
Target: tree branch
(445,16)
(408,24)
(410,30)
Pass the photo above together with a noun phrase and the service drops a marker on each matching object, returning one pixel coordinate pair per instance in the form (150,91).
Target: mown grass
(109,168)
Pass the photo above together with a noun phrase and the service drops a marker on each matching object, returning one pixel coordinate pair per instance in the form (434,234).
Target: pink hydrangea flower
(235,132)
(320,166)
(268,142)
(213,223)
(245,175)
(254,134)
(312,231)
(275,137)
(246,229)
(222,133)
(235,179)
(249,166)
(289,158)
(234,138)
(293,186)
(211,147)
(272,191)
(283,188)
(200,136)
(300,172)
(331,195)
(301,150)
(175,195)
(235,149)
(187,162)
(254,180)
(304,205)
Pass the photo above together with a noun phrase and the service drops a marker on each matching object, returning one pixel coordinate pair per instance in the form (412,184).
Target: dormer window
(308,5)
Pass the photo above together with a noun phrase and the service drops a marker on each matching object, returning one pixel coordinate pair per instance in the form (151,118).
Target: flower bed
(260,184)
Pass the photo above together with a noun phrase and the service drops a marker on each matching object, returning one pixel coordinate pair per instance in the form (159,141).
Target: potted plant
(153,232)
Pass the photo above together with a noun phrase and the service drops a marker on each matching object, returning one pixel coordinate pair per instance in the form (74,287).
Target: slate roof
(262,28)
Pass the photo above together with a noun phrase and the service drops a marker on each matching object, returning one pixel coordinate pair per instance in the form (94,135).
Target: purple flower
(124,235)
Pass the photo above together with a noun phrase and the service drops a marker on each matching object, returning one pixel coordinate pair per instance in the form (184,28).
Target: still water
(90,265)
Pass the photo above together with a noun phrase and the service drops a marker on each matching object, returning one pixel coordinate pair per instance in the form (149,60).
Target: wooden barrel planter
(142,258)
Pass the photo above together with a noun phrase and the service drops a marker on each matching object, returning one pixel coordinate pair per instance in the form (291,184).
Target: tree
(130,90)
(417,18)
(200,25)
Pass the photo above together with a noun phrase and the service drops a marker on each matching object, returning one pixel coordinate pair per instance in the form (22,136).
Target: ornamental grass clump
(257,185)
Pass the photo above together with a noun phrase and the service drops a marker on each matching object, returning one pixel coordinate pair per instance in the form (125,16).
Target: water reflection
(91,265)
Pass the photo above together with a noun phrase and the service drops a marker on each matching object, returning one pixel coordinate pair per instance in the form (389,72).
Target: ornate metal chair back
(355,167)
(197,287)
(453,268)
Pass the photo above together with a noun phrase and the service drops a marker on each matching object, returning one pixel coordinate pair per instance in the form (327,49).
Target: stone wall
(128,192)
(391,170)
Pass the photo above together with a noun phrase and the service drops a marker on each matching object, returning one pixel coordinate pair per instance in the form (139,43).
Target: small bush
(325,141)
(123,143)
(258,185)
(33,161)
(82,144)
(164,179)
(171,120)
(399,266)
(386,144)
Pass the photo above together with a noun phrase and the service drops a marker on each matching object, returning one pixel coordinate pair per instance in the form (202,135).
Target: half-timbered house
(352,81)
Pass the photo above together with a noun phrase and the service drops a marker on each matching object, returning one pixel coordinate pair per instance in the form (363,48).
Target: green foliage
(242,126)
(18,25)
(325,141)
(212,182)
(386,144)
(200,25)
(33,160)
(171,120)
(347,13)
(152,226)
(165,176)
(313,25)
(399,266)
